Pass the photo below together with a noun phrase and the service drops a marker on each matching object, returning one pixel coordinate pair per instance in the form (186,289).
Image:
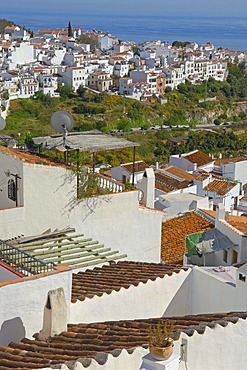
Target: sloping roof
(180,173)
(69,249)
(167,183)
(218,162)
(238,222)
(30,157)
(174,232)
(221,187)
(140,166)
(82,342)
(198,157)
(116,276)
(91,141)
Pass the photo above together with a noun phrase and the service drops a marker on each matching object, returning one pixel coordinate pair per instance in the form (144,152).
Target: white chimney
(195,167)
(55,314)
(220,155)
(156,166)
(148,188)
(220,212)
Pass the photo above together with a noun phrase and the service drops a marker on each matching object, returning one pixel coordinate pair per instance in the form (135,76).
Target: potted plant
(160,340)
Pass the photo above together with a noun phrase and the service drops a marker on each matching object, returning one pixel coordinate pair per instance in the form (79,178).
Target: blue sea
(225,32)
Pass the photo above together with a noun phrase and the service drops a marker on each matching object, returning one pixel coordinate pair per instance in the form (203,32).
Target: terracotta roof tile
(86,341)
(116,276)
(139,166)
(167,183)
(29,157)
(180,173)
(218,162)
(199,157)
(174,232)
(238,222)
(221,187)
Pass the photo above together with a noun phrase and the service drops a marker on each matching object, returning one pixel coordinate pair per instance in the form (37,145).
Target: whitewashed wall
(220,348)
(10,165)
(164,296)
(212,294)
(23,302)
(235,171)
(50,201)
(236,237)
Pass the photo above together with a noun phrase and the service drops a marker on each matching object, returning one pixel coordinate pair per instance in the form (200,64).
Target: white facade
(121,174)
(22,53)
(50,201)
(73,76)
(180,202)
(23,301)
(234,170)
(180,161)
(161,291)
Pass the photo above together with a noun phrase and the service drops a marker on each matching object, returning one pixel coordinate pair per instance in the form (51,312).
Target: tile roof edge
(232,227)
(131,286)
(102,358)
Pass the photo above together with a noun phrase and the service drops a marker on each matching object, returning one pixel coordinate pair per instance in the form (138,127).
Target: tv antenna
(2,123)
(62,122)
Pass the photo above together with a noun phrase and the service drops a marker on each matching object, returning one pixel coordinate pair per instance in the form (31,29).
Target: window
(242,277)
(12,190)
(234,256)
(225,255)
(124,179)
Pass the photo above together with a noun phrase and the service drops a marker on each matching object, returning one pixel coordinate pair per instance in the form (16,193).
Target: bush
(217,121)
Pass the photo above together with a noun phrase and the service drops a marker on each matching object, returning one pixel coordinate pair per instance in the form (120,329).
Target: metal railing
(23,262)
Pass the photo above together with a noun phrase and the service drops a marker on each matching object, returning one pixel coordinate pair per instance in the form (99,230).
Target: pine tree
(70,31)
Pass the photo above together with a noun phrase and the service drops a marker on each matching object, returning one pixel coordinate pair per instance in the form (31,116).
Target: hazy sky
(128,7)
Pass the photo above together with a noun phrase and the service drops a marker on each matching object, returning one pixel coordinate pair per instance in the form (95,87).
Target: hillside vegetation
(31,117)
(4,23)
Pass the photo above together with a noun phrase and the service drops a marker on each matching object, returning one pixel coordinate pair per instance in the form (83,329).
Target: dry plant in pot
(160,340)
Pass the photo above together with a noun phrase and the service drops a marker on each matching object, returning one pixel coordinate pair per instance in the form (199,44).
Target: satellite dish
(62,122)
(2,123)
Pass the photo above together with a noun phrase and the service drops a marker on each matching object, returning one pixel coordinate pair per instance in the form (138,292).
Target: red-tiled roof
(180,173)
(116,276)
(238,222)
(218,162)
(91,341)
(221,187)
(139,166)
(174,232)
(199,157)
(29,157)
(167,183)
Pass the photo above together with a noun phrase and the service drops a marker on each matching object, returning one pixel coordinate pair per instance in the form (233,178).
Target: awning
(206,242)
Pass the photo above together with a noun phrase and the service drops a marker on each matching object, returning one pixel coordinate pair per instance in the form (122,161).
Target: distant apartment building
(100,81)
(73,76)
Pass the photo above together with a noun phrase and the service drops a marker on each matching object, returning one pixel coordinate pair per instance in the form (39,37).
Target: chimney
(55,315)
(194,166)
(220,155)
(220,212)
(156,166)
(148,188)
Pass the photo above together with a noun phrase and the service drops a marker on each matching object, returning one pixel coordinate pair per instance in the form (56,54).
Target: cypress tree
(70,32)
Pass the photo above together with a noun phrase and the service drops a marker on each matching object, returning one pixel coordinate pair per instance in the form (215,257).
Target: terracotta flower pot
(161,353)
